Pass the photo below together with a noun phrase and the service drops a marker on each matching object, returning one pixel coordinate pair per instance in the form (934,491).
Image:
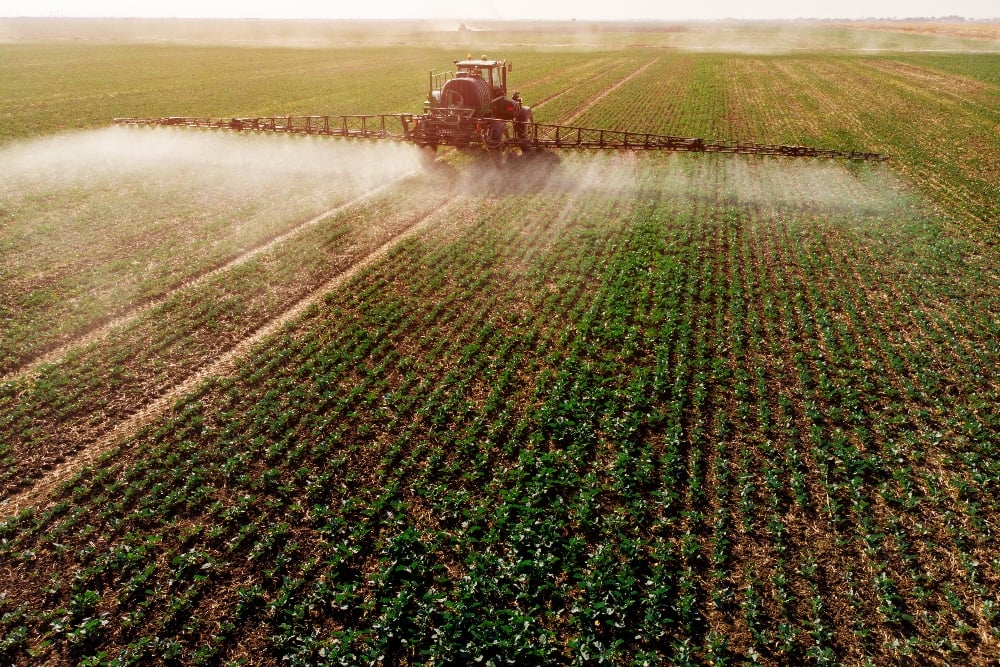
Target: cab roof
(477,63)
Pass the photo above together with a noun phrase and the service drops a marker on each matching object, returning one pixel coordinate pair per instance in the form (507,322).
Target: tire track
(100,329)
(594,102)
(555,96)
(222,365)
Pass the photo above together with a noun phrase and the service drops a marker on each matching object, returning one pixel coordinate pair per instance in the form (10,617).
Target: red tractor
(472,108)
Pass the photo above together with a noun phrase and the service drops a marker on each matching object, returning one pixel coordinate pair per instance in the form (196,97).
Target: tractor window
(478,72)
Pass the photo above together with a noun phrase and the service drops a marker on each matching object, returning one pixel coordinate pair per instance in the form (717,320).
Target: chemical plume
(92,222)
(124,153)
(815,184)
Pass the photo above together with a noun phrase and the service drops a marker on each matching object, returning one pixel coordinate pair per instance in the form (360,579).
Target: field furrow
(70,405)
(586,408)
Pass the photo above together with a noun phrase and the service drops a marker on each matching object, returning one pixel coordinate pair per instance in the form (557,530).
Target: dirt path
(102,328)
(220,366)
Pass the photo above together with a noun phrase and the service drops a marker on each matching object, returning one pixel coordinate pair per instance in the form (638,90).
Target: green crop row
(105,240)
(51,412)
(602,409)
(566,424)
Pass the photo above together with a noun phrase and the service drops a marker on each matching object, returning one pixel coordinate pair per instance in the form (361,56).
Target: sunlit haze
(508,9)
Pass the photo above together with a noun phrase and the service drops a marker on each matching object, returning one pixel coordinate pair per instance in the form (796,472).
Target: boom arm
(464,131)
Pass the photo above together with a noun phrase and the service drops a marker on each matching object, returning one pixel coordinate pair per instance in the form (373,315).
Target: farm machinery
(470,108)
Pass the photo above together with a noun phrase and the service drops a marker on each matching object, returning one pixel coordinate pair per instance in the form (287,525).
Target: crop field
(290,400)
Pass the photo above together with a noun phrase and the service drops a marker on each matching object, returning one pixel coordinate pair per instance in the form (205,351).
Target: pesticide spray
(93,221)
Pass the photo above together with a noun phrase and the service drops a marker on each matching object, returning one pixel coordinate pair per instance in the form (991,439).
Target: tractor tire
(496,141)
(525,119)
(497,135)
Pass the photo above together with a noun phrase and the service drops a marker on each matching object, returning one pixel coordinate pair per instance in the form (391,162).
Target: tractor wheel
(498,134)
(497,139)
(525,119)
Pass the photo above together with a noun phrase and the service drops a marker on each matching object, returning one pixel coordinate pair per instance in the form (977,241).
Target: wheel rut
(103,327)
(597,100)
(540,103)
(225,363)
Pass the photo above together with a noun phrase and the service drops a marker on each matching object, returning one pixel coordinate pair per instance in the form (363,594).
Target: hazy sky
(506,9)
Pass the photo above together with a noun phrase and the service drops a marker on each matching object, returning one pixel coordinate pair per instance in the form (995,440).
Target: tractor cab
(493,72)
(470,107)
(478,89)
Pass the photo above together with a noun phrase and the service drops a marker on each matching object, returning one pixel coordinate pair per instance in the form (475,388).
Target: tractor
(471,109)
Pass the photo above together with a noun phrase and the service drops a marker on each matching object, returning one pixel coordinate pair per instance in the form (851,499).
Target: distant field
(728,36)
(272,400)
(982,30)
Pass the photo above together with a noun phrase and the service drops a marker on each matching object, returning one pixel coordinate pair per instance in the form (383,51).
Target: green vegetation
(606,409)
